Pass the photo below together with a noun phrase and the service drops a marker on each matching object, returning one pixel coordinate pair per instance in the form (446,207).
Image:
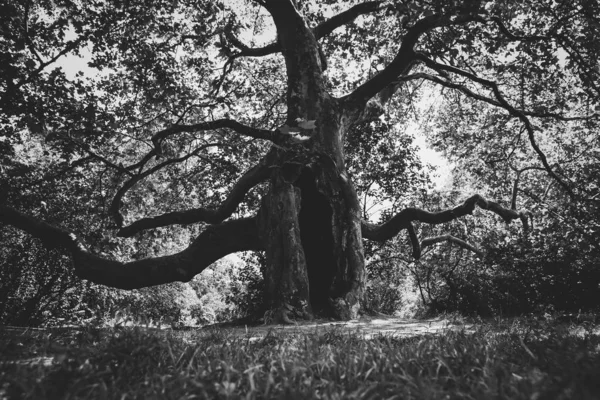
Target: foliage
(38,288)
(386,279)
(553,266)
(247,296)
(518,359)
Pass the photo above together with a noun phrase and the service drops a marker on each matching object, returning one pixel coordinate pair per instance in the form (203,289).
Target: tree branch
(404,58)
(273,136)
(251,178)
(513,202)
(502,102)
(213,243)
(414,240)
(452,239)
(326,27)
(402,220)
(115,205)
(320,31)
(468,92)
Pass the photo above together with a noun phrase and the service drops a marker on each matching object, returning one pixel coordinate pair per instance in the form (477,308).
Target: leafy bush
(384,287)
(247,296)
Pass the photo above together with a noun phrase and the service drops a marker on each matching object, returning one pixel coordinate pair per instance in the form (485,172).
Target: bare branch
(87,149)
(402,220)
(251,178)
(247,51)
(213,243)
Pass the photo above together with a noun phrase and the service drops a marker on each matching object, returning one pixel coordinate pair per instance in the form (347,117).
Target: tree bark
(310,225)
(213,243)
(310,220)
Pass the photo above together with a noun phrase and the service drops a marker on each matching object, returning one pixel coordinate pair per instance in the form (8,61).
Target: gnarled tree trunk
(310,226)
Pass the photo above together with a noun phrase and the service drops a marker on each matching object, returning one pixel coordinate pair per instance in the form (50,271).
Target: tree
(182,98)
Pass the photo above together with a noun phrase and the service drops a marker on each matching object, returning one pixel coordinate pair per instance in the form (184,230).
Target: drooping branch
(477,96)
(403,60)
(402,220)
(115,206)
(51,236)
(245,130)
(504,104)
(251,178)
(414,240)
(513,202)
(214,243)
(452,239)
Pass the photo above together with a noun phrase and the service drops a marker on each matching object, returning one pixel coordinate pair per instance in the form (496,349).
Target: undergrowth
(516,361)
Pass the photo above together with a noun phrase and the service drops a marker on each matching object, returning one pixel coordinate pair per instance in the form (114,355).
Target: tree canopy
(204,128)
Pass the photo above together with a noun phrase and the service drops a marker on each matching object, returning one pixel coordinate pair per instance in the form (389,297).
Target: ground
(522,358)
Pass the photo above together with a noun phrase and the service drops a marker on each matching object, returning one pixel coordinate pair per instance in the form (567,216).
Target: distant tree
(302,104)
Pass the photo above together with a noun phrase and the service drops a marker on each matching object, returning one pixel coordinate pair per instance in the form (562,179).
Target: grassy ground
(520,360)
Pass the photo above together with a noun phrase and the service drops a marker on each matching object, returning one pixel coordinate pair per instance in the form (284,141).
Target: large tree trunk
(310,226)
(309,221)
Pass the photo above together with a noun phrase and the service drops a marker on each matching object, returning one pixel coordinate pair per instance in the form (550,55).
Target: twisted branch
(251,178)
(213,243)
(404,219)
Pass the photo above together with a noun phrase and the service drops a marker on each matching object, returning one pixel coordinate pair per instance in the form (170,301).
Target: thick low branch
(251,178)
(402,220)
(51,236)
(214,243)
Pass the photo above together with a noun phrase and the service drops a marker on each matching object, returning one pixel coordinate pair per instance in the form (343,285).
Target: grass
(523,360)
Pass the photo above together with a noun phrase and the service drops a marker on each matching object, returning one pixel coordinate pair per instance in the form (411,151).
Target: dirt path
(368,327)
